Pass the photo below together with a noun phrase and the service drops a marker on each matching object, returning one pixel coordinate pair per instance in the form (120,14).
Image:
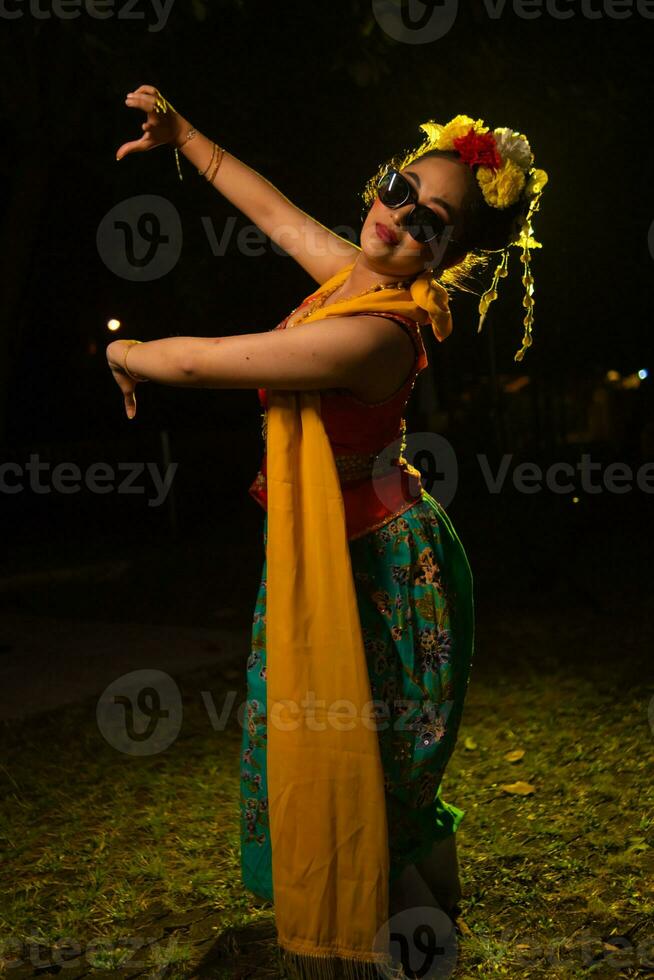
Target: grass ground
(129,866)
(126,866)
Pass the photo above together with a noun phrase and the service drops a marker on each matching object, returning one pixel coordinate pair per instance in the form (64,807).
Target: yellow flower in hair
(459,126)
(432,130)
(502,187)
(442,137)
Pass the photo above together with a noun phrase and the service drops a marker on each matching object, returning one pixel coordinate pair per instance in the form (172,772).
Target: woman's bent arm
(324,354)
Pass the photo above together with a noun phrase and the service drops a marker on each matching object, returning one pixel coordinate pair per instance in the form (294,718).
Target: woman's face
(440,184)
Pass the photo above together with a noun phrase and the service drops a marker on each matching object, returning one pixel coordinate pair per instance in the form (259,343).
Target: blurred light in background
(516,384)
(629,381)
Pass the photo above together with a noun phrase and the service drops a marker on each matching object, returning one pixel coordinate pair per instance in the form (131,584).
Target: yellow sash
(327,812)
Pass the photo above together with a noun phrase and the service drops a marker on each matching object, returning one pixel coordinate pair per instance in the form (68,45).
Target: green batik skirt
(415,598)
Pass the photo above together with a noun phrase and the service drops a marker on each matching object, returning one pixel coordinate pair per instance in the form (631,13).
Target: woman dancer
(366,595)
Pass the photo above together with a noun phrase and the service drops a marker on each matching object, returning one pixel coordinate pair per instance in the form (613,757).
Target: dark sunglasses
(422,223)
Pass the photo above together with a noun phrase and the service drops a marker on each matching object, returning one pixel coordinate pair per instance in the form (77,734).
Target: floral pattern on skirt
(415,597)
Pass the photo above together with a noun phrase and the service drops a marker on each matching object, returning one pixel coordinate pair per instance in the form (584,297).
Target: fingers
(147,98)
(128,388)
(126,384)
(140,101)
(130,404)
(150,99)
(149,89)
(138,146)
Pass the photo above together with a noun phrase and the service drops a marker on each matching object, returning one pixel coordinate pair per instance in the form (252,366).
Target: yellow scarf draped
(326,804)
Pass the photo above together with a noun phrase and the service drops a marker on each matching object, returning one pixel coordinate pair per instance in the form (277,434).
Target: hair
(485,229)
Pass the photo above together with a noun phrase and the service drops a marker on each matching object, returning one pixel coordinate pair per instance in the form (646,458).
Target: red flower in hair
(478,148)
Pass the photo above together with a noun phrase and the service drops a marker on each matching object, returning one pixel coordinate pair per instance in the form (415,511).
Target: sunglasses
(422,223)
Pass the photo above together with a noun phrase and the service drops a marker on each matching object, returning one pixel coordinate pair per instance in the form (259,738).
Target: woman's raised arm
(320,251)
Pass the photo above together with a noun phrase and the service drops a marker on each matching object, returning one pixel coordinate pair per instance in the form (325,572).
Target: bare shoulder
(392,355)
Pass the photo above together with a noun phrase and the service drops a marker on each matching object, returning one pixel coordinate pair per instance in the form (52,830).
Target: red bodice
(358,429)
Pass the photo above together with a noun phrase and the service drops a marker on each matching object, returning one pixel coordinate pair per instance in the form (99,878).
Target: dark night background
(314,96)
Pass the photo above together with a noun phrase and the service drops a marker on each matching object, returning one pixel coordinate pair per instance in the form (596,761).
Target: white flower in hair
(513,146)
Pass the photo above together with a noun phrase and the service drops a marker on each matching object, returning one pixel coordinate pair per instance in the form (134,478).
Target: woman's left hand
(115,359)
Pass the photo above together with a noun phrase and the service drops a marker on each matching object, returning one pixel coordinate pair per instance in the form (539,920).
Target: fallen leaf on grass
(637,844)
(515,755)
(520,788)
(470,743)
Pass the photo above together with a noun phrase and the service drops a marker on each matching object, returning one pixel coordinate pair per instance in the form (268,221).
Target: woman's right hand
(160,128)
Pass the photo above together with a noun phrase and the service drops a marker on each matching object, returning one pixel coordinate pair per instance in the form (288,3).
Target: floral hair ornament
(502,162)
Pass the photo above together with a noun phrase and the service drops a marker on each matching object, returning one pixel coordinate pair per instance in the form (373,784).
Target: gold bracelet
(218,162)
(134,377)
(213,153)
(192,131)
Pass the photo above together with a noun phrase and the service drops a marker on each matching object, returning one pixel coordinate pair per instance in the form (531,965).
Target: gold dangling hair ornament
(526,241)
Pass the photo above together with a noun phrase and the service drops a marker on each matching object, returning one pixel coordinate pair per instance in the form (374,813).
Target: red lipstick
(386,234)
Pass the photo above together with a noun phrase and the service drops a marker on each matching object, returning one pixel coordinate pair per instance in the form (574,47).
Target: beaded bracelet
(189,136)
